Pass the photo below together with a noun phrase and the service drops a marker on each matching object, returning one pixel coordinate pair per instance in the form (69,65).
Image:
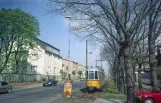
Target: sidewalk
(27,86)
(100,100)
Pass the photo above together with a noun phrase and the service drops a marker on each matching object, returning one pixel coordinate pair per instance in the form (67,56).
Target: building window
(34,56)
(66,67)
(50,57)
(33,68)
(54,69)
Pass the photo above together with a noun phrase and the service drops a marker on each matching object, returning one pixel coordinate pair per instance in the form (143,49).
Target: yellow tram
(95,79)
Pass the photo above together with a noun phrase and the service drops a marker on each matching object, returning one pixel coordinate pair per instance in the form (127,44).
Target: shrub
(54,77)
(43,79)
(111,88)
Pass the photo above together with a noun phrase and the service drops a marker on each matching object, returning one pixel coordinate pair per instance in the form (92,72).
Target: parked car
(50,82)
(81,79)
(152,95)
(5,87)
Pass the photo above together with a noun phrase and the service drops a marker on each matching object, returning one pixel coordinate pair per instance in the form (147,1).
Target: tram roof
(98,69)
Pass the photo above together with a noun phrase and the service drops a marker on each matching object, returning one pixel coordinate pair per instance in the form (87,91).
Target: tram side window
(87,75)
(96,75)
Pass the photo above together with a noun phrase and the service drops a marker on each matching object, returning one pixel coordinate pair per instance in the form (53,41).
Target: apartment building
(82,67)
(45,60)
(65,66)
(74,66)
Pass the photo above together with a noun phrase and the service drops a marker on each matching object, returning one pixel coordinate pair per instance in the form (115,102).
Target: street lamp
(142,71)
(96,57)
(68,17)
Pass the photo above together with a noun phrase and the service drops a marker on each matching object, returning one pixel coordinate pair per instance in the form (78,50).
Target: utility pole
(68,17)
(96,61)
(86,54)
(101,64)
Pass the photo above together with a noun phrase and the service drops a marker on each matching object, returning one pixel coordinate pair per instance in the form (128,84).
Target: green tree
(65,74)
(111,86)
(61,72)
(80,73)
(73,73)
(18,33)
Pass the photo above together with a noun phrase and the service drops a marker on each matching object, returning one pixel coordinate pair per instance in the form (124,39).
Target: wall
(25,77)
(38,62)
(52,64)
(83,69)
(65,63)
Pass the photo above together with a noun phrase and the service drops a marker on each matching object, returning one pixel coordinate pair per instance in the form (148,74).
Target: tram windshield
(91,75)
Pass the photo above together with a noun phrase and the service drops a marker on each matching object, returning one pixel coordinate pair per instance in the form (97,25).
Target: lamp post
(68,17)
(96,58)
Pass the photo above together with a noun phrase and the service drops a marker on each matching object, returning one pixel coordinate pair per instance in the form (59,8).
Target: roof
(74,62)
(70,60)
(43,45)
(54,54)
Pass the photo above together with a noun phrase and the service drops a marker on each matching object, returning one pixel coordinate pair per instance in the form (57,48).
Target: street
(36,94)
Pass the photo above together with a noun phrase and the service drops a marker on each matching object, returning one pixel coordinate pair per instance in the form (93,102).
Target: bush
(54,77)
(64,74)
(136,88)
(34,80)
(111,88)
(43,79)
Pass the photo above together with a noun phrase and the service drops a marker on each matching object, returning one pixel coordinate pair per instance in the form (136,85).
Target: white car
(82,79)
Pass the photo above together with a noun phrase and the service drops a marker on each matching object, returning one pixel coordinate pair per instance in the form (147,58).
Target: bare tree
(154,19)
(119,19)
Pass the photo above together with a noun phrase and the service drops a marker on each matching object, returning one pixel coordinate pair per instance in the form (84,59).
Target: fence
(9,77)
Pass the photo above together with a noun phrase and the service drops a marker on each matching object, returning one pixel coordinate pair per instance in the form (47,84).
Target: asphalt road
(37,94)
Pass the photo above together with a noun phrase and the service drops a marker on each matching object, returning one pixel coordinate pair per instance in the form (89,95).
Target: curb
(26,87)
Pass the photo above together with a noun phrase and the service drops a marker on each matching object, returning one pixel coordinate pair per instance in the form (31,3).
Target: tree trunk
(151,45)
(134,77)
(121,68)
(7,57)
(152,61)
(17,62)
(129,76)
(117,70)
(139,77)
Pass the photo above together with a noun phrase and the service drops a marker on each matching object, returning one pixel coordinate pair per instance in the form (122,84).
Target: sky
(54,30)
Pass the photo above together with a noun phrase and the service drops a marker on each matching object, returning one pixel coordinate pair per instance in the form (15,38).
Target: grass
(107,95)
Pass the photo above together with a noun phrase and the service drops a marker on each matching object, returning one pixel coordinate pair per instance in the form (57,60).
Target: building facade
(74,66)
(82,68)
(45,60)
(65,66)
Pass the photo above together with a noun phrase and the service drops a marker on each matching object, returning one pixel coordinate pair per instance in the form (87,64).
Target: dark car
(50,82)
(152,95)
(5,87)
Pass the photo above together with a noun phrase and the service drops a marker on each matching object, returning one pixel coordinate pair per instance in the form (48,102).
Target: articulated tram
(95,79)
